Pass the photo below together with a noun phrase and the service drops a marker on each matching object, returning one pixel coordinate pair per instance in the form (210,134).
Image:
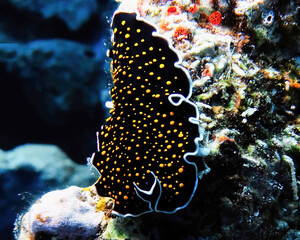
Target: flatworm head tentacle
(146,142)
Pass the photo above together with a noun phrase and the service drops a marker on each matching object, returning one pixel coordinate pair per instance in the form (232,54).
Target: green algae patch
(121,229)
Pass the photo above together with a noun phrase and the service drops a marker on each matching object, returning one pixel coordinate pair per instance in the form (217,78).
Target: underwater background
(54,84)
(243,58)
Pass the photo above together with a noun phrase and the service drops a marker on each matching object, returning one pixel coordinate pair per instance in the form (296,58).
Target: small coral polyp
(215,18)
(148,148)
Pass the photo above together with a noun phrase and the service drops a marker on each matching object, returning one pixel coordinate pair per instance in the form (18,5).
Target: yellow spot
(144,53)
(161,165)
(103,152)
(181,185)
(150,48)
(142,40)
(172,122)
(120,193)
(169,146)
(131,61)
(157,96)
(123,22)
(136,44)
(168,82)
(180,170)
(129,92)
(151,73)
(137,174)
(115,30)
(163,58)
(180,134)
(138,30)
(165,185)
(164,115)
(170,186)
(127,187)
(158,78)
(174,156)
(180,145)
(160,135)
(125,197)
(137,158)
(148,91)
(124,73)
(128,29)
(162,65)
(118,169)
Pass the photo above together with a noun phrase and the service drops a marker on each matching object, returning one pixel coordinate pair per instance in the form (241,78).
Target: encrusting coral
(227,100)
(66,213)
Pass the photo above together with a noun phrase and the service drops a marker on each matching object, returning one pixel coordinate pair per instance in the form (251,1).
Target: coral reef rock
(69,213)
(74,213)
(30,169)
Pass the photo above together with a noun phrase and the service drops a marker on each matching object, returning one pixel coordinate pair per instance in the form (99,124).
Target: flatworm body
(147,148)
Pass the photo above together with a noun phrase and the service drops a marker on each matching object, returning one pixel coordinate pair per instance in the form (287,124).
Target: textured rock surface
(31,169)
(74,213)
(69,213)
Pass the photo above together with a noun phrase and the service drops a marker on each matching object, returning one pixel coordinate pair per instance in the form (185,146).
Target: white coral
(68,213)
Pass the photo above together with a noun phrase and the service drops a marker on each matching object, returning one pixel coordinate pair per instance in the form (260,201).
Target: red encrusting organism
(207,73)
(193,8)
(173,10)
(215,18)
(181,33)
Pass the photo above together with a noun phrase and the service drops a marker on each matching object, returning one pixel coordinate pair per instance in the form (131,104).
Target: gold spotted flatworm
(148,148)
